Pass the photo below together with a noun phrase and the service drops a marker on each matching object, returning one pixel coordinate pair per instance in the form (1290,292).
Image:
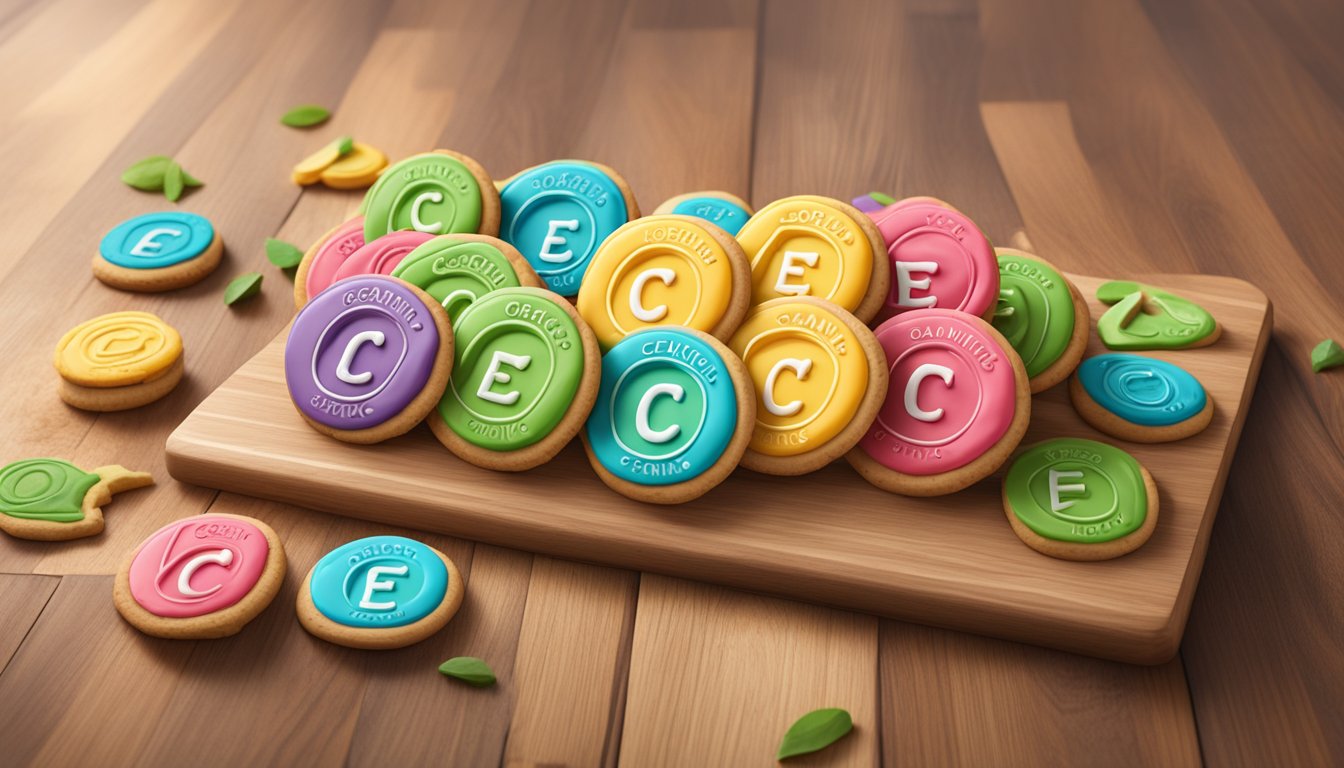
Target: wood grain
(22,598)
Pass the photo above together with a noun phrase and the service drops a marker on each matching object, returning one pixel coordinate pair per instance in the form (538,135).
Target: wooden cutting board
(828,537)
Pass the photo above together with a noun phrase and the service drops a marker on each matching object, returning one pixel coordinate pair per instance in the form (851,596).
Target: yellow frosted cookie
(118,361)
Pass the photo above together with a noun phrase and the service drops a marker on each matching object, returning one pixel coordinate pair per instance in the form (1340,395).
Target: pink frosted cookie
(957,404)
(939,258)
(383,255)
(201,577)
(319,265)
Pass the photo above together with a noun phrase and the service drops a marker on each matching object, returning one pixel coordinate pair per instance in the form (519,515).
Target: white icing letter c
(184,588)
(800,369)
(637,307)
(677,393)
(343,373)
(416,223)
(912,390)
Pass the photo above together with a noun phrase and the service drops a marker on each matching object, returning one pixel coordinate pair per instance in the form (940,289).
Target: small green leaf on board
(173,182)
(815,730)
(282,254)
(469,670)
(306,116)
(147,174)
(1327,354)
(242,288)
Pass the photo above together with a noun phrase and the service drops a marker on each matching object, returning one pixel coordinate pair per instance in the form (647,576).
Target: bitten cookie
(524,380)
(1144,317)
(957,404)
(118,361)
(1080,499)
(381,256)
(665,270)
(380,592)
(938,257)
(367,358)
(722,209)
(158,252)
(318,269)
(53,500)
(200,578)
(1140,399)
(357,169)
(458,269)
(808,245)
(673,415)
(556,214)
(438,193)
(820,377)
(1042,315)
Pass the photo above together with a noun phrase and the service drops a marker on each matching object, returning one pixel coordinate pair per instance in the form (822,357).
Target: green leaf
(282,254)
(172,182)
(306,116)
(147,175)
(881,198)
(191,181)
(344,145)
(815,730)
(242,287)
(1327,354)
(469,670)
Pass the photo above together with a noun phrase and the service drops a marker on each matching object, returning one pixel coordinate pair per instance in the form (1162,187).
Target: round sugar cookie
(956,406)
(367,358)
(556,214)
(53,500)
(525,377)
(458,269)
(673,415)
(722,209)
(938,258)
(380,592)
(820,377)
(357,169)
(808,245)
(200,578)
(381,256)
(438,193)
(1140,399)
(1042,315)
(1078,499)
(118,361)
(159,251)
(665,270)
(318,269)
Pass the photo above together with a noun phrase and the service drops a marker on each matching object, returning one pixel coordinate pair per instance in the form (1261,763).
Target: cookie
(458,269)
(957,404)
(556,214)
(1144,317)
(1042,315)
(118,361)
(938,257)
(665,270)
(201,578)
(807,245)
(1080,499)
(1140,399)
(158,252)
(53,500)
(380,592)
(381,256)
(318,269)
(673,415)
(357,169)
(722,209)
(820,377)
(438,193)
(524,379)
(367,358)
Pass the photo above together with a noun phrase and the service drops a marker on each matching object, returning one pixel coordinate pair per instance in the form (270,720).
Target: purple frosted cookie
(368,358)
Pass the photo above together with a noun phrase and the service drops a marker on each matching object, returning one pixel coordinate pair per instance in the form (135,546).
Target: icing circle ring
(809,246)
(939,258)
(381,256)
(200,565)
(666,408)
(1077,491)
(1034,312)
(457,272)
(380,582)
(118,349)
(436,193)
(157,240)
(44,489)
(1142,390)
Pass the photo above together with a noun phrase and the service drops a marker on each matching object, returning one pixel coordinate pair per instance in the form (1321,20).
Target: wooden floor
(1122,135)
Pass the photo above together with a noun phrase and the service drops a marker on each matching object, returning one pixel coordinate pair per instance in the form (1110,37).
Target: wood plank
(709,691)
(22,598)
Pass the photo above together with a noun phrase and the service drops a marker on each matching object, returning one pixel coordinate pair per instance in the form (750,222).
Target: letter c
(677,393)
(637,307)
(343,373)
(221,557)
(912,390)
(416,223)
(800,369)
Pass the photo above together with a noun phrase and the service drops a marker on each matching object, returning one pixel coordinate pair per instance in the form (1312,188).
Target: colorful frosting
(199,565)
(517,364)
(433,193)
(50,490)
(939,258)
(808,246)
(1077,491)
(557,214)
(360,352)
(1141,390)
(724,213)
(118,349)
(338,246)
(1176,323)
(810,372)
(457,272)
(379,582)
(952,393)
(658,270)
(666,409)
(381,256)
(1035,310)
(157,240)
